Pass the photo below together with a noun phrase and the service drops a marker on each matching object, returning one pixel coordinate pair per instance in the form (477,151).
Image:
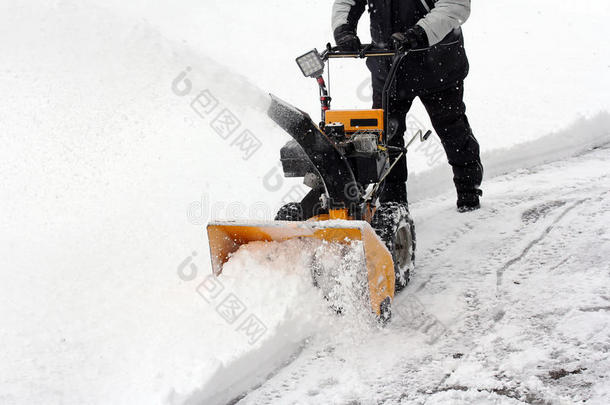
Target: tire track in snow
(545,233)
(479,320)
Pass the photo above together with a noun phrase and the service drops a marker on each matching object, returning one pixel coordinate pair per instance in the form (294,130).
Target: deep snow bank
(99,160)
(582,135)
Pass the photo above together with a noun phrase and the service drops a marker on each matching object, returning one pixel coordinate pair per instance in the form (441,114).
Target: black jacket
(433,68)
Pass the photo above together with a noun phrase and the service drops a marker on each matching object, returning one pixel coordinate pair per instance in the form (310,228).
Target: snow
(505,323)
(286,306)
(109,175)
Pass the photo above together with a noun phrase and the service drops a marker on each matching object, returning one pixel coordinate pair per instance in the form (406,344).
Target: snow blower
(344,160)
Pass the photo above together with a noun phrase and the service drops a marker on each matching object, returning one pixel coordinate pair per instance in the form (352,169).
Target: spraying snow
(272,283)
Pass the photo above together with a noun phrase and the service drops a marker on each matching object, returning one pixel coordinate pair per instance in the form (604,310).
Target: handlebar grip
(367,50)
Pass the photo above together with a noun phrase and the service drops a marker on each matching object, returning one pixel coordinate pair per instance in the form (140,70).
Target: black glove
(346,38)
(414,38)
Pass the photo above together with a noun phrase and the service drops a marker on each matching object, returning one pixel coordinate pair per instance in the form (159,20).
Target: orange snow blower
(344,160)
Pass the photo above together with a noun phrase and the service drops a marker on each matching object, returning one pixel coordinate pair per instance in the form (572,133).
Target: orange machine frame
(350,119)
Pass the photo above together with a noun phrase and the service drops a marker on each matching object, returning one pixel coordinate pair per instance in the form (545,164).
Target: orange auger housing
(226,237)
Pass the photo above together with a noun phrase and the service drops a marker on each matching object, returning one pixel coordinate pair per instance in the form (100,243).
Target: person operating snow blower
(434,70)
(352,160)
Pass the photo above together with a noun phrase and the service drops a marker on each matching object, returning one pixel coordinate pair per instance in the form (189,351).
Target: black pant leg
(448,115)
(395,185)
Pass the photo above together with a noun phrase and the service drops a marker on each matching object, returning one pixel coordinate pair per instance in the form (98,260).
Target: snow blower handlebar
(366,51)
(312,65)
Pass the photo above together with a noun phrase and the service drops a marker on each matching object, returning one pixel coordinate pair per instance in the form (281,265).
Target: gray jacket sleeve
(444,17)
(347,12)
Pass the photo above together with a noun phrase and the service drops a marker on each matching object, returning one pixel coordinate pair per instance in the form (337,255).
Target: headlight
(311,64)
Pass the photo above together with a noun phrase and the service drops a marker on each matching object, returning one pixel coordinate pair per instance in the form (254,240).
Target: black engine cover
(368,169)
(295,161)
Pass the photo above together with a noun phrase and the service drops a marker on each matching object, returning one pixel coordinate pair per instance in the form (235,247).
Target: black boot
(469,200)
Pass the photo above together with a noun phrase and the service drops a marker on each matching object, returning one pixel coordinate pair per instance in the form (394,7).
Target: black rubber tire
(290,212)
(385,309)
(394,225)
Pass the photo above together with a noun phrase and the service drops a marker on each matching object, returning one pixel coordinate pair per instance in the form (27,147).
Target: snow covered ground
(109,172)
(508,305)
